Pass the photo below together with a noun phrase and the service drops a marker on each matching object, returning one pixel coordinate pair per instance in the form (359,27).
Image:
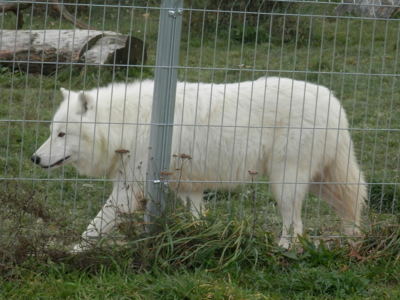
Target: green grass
(212,259)
(200,284)
(231,254)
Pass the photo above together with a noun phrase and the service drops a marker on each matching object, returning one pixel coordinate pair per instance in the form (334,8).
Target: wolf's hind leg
(194,201)
(289,187)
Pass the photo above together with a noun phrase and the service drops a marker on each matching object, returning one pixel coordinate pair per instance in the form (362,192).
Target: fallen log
(43,51)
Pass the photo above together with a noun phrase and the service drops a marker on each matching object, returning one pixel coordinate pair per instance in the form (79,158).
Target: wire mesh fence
(229,119)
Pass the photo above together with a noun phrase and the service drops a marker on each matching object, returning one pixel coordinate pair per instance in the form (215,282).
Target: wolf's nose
(35,159)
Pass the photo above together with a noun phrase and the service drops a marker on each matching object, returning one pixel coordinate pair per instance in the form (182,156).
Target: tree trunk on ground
(370,8)
(43,51)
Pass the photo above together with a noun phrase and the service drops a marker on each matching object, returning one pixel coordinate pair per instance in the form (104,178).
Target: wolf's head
(74,137)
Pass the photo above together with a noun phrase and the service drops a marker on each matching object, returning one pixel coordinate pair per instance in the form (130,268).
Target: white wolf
(293,131)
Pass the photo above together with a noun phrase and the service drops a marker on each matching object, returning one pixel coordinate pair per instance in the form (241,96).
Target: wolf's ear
(85,102)
(64,93)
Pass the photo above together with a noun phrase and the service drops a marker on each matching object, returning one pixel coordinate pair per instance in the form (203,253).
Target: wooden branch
(15,8)
(5,7)
(60,8)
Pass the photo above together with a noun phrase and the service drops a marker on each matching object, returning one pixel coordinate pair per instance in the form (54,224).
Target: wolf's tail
(343,187)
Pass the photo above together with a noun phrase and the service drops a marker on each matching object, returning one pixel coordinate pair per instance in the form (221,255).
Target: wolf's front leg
(123,199)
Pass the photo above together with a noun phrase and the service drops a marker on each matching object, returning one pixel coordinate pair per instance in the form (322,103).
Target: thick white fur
(294,132)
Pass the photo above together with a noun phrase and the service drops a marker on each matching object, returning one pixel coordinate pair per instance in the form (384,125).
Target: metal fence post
(162,118)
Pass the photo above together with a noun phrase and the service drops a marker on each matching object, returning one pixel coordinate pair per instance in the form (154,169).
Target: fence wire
(225,44)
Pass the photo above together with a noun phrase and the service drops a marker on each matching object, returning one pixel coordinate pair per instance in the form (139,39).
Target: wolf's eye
(61,134)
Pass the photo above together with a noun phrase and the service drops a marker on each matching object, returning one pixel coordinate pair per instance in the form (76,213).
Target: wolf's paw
(79,248)
(284,242)
(82,246)
(291,243)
